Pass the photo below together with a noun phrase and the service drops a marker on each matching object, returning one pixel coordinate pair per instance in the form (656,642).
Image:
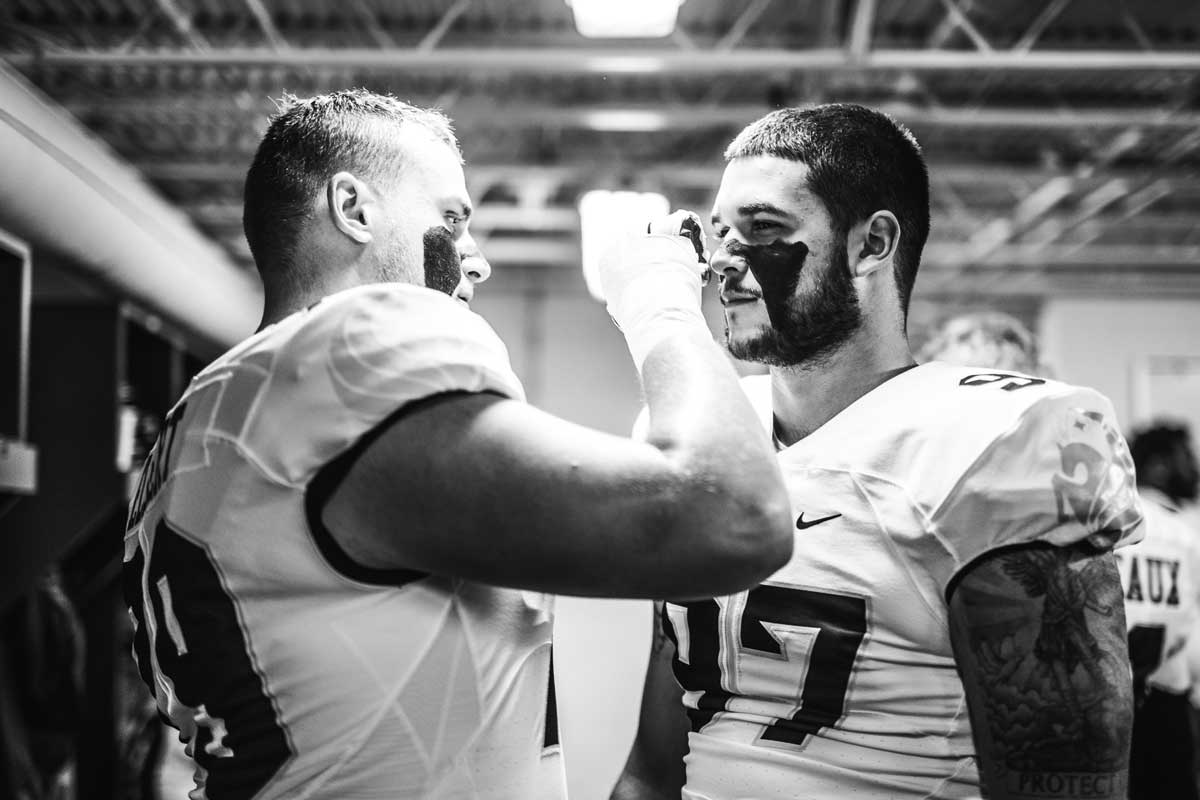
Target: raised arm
(481,487)
(1039,637)
(654,769)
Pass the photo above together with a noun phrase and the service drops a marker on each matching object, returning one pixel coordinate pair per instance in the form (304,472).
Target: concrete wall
(1117,346)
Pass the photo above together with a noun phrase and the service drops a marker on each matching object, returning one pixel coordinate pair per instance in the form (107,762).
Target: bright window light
(606,216)
(625,18)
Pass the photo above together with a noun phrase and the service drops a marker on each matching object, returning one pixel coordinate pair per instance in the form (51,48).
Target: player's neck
(805,398)
(280,303)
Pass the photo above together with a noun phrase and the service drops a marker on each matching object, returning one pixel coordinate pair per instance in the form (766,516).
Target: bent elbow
(745,544)
(763,541)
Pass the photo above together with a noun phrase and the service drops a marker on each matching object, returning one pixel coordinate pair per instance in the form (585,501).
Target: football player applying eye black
(343,549)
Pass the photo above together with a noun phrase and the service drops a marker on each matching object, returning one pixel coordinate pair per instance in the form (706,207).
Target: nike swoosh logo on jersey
(802,525)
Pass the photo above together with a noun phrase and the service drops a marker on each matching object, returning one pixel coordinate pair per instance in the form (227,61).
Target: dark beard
(443,267)
(805,330)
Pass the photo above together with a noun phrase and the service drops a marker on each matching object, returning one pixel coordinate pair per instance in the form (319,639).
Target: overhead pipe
(572,60)
(63,190)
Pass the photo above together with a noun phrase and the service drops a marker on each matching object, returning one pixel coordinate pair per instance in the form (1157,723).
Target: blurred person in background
(41,693)
(341,551)
(950,624)
(1166,463)
(1162,584)
(989,339)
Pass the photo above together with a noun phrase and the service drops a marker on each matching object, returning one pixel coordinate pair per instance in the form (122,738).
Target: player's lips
(738,299)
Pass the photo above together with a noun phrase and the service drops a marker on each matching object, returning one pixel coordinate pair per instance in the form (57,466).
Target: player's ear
(350,206)
(872,244)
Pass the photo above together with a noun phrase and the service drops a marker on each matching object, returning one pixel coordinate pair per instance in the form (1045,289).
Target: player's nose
(727,264)
(474,265)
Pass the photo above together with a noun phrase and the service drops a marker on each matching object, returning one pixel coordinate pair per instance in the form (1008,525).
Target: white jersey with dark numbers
(1161,578)
(835,678)
(291,671)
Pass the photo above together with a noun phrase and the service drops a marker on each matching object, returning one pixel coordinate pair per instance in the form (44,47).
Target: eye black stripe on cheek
(442,263)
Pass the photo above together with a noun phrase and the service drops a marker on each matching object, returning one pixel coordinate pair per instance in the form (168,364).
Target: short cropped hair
(860,161)
(985,339)
(1160,439)
(309,141)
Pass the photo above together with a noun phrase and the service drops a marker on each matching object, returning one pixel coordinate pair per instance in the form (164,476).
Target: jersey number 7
(781,648)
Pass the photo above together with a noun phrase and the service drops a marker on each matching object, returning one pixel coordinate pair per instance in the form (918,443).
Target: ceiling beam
(485,217)
(945,29)
(1135,27)
(669,117)
(1136,204)
(182,22)
(1038,203)
(563,60)
(431,39)
(1090,205)
(225,219)
(482,176)
(263,17)
(741,26)
(1048,14)
(963,23)
(1184,258)
(858,46)
(371,24)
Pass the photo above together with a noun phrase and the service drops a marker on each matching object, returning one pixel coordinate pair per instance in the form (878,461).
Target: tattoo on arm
(1039,635)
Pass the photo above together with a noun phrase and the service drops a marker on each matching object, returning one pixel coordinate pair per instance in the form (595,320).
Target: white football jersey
(290,671)
(1161,578)
(835,677)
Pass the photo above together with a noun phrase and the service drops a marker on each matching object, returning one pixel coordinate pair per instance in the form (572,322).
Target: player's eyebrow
(750,209)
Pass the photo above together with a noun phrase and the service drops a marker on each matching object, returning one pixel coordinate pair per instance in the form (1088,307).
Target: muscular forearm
(699,415)
(722,462)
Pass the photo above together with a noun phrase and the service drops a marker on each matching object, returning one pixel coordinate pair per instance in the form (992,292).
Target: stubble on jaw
(806,328)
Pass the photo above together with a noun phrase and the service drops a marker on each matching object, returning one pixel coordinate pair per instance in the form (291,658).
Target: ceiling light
(604,217)
(624,119)
(625,18)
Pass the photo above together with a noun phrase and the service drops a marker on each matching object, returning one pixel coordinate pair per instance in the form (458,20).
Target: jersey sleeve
(361,357)
(1060,474)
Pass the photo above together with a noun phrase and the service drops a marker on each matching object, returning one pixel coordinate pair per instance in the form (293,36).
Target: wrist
(648,333)
(660,296)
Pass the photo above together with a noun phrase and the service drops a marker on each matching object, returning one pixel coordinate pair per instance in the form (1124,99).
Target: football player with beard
(950,624)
